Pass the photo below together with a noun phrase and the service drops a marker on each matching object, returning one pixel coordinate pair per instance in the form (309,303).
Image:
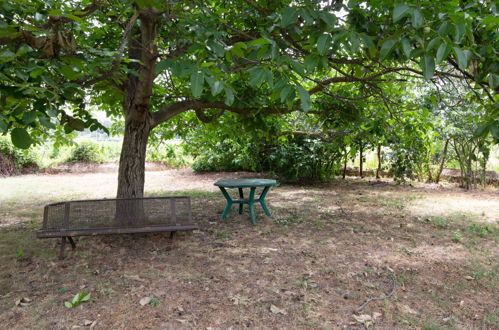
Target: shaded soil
(326,250)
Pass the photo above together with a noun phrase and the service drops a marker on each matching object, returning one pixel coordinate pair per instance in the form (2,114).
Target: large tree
(147,61)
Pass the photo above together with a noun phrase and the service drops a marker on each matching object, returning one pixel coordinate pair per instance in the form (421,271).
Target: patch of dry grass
(326,250)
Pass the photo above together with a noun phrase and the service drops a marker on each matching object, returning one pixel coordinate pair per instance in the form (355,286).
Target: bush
(169,152)
(291,160)
(14,160)
(305,159)
(85,152)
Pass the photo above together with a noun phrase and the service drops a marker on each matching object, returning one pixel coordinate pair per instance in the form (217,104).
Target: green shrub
(305,159)
(171,153)
(20,158)
(85,152)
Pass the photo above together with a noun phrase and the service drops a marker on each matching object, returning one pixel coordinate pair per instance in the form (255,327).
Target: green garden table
(246,183)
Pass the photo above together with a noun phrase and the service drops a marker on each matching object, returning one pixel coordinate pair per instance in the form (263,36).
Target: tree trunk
(137,91)
(428,170)
(442,161)
(132,160)
(361,160)
(345,164)
(379,161)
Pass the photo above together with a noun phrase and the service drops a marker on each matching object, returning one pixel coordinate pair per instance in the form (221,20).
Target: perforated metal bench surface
(115,216)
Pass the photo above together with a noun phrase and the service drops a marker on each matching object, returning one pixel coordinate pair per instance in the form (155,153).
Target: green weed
(482,230)
(438,221)
(78,299)
(457,237)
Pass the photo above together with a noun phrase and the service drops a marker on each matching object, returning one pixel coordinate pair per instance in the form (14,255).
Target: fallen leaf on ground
(144,301)
(23,302)
(276,310)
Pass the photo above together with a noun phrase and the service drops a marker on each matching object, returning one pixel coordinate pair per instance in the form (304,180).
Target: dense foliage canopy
(346,64)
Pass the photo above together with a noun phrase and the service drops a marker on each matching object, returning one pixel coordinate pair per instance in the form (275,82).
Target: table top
(245,183)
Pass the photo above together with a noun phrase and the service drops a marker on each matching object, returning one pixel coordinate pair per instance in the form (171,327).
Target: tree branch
(171,111)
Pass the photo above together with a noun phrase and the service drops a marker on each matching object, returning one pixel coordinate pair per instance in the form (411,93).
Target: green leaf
(368,42)
(269,78)
(23,50)
(85,297)
(406,47)
(46,122)
(259,41)
(311,62)
(400,11)
(197,82)
(229,96)
(216,87)
(6,55)
(386,48)
(305,98)
(3,126)
(433,43)
(462,60)
(162,65)
(442,52)
(289,16)
(29,117)
(460,30)
(428,66)
(20,138)
(257,75)
(323,43)
(67,304)
(443,29)
(481,131)
(417,19)
(77,298)
(328,18)
(493,80)
(494,129)
(238,51)
(297,67)
(68,72)
(285,92)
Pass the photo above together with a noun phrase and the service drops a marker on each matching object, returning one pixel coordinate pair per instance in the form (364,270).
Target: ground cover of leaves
(326,250)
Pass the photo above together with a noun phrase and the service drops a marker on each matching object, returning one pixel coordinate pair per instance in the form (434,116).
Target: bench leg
(241,195)
(73,244)
(173,234)
(63,245)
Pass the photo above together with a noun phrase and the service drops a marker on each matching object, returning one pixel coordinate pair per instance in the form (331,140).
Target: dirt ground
(423,257)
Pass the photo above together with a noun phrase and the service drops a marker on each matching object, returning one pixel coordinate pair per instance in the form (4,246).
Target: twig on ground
(368,300)
(342,210)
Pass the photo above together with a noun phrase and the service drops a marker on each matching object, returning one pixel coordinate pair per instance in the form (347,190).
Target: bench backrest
(126,212)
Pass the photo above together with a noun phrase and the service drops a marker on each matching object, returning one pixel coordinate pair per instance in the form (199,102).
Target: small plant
(319,224)
(482,230)
(457,237)
(155,302)
(21,255)
(85,152)
(78,299)
(62,290)
(440,222)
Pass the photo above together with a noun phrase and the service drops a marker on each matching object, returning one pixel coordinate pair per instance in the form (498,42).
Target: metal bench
(115,216)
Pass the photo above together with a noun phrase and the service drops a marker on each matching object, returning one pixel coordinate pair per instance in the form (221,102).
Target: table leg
(241,195)
(229,203)
(250,205)
(262,201)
